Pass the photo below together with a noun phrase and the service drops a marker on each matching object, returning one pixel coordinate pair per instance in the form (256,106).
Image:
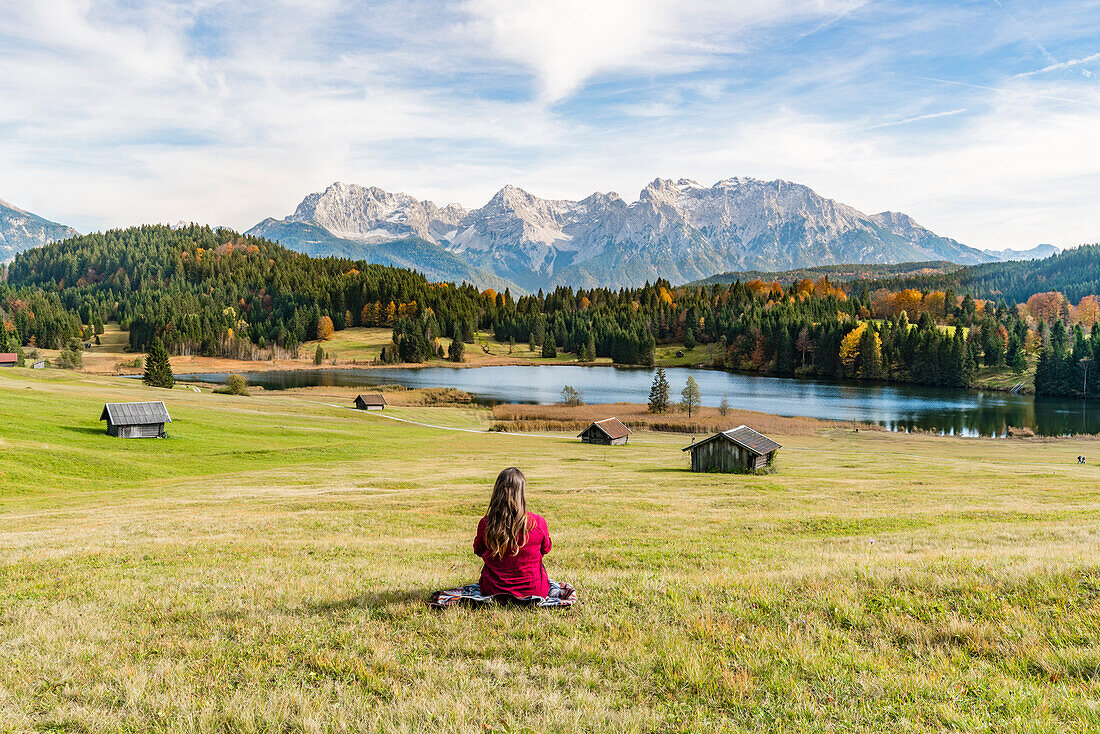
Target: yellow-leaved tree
(852,347)
(325,329)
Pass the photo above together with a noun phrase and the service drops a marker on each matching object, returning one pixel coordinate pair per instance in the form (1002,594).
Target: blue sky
(981,119)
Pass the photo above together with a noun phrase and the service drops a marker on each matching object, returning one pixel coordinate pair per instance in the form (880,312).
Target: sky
(980,119)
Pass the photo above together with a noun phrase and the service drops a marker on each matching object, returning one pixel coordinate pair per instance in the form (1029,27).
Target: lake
(896,407)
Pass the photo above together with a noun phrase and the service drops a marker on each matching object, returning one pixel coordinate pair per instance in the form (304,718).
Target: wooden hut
(8,359)
(739,449)
(39,365)
(372,401)
(136,420)
(608,432)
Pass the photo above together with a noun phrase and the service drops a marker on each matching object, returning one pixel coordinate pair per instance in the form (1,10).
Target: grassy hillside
(264,569)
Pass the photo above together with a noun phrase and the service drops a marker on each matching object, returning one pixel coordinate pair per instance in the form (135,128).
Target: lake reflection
(897,407)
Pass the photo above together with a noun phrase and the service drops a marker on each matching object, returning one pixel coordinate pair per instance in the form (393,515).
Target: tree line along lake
(895,407)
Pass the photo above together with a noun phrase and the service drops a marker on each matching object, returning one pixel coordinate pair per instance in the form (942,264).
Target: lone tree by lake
(571,396)
(319,355)
(234,385)
(659,392)
(690,398)
(158,371)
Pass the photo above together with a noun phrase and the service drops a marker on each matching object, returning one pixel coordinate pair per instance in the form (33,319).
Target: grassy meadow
(264,570)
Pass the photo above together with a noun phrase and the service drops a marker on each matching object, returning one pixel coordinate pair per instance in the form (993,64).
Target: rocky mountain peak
(677,229)
(21,230)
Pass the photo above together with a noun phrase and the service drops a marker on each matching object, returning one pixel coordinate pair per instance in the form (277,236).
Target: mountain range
(1039,252)
(20,230)
(678,230)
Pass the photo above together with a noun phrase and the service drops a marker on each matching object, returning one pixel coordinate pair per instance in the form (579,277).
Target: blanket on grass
(561,595)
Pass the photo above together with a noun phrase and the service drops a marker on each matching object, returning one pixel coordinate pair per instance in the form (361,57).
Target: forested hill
(220,292)
(836,273)
(1075,273)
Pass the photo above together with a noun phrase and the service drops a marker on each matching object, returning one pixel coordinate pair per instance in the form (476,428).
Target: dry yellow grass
(264,569)
(636,416)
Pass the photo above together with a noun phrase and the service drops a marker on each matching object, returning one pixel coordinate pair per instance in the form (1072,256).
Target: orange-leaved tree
(324,328)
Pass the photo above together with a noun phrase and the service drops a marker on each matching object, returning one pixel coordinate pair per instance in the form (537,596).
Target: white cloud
(1065,65)
(110,115)
(567,42)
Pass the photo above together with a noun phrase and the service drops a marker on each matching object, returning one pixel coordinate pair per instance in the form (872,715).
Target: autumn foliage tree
(325,329)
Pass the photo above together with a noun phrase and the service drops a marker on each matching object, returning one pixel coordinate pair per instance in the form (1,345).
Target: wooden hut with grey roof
(136,420)
(739,449)
(609,432)
(371,401)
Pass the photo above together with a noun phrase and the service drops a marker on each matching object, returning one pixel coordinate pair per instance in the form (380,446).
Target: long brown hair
(506,520)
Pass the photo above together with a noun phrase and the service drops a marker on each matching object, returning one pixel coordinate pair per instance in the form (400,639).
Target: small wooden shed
(136,420)
(739,449)
(608,432)
(371,401)
(39,365)
(8,359)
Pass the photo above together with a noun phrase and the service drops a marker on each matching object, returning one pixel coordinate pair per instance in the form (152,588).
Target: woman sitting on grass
(511,541)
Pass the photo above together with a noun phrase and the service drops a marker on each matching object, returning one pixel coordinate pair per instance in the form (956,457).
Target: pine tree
(538,336)
(690,398)
(319,355)
(648,356)
(659,392)
(1015,357)
(590,349)
(456,352)
(549,348)
(957,368)
(784,352)
(1044,378)
(1058,338)
(158,370)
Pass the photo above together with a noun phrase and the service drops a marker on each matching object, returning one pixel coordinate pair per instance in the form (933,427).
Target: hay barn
(136,420)
(608,432)
(739,449)
(8,359)
(373,401)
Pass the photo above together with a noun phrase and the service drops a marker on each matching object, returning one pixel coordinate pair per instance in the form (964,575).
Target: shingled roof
(613,427)
(746,438)
(135,414)
(374,398)
(8,357)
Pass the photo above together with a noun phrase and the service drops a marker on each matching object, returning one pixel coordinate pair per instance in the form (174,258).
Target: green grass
(701,354)
(1004,378)
(264,570)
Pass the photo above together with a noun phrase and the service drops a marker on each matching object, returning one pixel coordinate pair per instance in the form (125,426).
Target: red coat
(520,575)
